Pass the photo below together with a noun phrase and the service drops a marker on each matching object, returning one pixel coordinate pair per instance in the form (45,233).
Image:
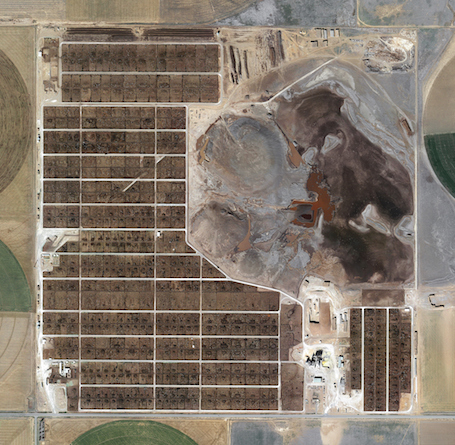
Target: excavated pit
(291,194)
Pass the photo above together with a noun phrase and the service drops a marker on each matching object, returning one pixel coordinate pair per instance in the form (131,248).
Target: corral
(290,328)
(356,334)
(152,324)
(141,58)
(375,360)
(381,340)
(292,386)
(190,60)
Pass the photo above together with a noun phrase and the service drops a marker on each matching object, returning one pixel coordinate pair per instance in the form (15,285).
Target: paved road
(239,416)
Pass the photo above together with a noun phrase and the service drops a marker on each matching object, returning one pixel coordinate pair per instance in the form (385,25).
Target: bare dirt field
(443,430)
(15,361)
(113,10)
(16,121)
(18,43)
(323,432)
(323,327)
(382,297)
(17,219)
(125,11)
(170,11)
(439,106)
(38,9)
(16,431)
(436,360)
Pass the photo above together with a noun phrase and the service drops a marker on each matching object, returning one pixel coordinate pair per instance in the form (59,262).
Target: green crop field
(127,432)
(14,291)
(441,152)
